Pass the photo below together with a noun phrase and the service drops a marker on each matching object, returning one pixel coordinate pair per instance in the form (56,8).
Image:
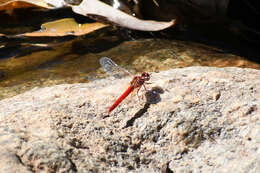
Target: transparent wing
(112,69)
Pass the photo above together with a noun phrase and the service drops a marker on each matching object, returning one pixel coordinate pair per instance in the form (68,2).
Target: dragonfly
(113,69)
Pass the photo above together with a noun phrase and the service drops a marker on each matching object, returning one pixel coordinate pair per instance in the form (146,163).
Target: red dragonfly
(113,69)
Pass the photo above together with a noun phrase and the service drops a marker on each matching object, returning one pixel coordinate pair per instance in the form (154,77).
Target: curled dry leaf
(97,8)
(105,13)
(11,4)
(67,26)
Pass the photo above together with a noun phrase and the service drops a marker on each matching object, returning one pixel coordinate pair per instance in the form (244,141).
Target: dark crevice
(21,162)
(69,154)
(74,167)
(19,159)
(166,168)
(251,110)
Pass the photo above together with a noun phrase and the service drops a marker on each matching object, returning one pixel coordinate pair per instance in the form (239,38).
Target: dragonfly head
(145,76)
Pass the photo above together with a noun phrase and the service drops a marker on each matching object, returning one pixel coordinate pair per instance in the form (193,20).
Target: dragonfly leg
(144,87)
(138,95)
(142,95)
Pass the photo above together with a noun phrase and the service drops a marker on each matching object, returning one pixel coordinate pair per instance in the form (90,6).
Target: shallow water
(76,59)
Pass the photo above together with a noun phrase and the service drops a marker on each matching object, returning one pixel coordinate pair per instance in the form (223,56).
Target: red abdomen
(121,98)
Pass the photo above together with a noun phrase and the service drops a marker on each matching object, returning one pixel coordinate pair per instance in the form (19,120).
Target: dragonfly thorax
(138,81)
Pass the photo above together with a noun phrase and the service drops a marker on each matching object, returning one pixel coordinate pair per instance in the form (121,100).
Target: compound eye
(146,76)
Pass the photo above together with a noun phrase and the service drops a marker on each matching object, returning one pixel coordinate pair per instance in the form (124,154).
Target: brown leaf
(107,13)
(12,4)
(62,27)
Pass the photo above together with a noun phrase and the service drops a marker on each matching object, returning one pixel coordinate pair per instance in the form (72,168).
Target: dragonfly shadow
(152,97)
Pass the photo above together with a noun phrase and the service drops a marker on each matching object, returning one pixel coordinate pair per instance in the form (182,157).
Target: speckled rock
(196,119)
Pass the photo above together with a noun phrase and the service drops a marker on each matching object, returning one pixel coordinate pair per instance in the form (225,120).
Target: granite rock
(195,119)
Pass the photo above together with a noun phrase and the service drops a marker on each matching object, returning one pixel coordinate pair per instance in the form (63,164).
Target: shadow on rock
(152,97)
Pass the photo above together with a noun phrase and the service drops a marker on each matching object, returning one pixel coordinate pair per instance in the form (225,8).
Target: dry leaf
(11,4)
(102,12)
(67,26)
(98,8)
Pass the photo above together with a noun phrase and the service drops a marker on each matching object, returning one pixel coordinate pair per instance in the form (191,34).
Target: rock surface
(196,119)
